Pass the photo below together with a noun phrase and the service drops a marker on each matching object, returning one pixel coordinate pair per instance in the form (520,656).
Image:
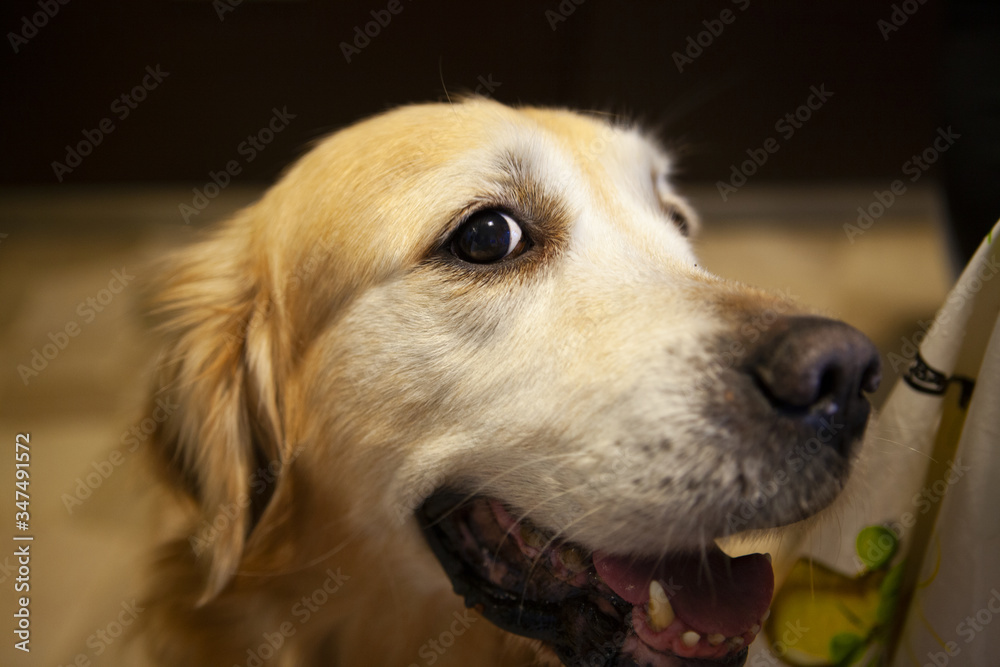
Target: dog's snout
(817,368)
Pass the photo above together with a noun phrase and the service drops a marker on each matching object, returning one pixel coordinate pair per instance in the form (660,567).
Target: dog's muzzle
(683,608)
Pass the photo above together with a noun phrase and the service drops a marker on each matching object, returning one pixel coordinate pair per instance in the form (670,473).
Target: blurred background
(845,153)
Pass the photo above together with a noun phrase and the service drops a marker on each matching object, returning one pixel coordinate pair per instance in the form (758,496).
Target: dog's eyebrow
(535,199)
(540,199)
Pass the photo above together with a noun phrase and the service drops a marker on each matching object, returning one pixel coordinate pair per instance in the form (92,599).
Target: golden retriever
(462,355)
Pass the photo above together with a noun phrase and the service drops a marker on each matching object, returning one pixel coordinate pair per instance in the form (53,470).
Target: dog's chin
(595,608)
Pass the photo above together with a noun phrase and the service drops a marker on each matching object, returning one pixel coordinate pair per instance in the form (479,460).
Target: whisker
(905,446)
(478,490)
(552,541)
(526,514)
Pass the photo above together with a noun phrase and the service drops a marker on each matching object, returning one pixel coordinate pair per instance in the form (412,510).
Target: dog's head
(483,331)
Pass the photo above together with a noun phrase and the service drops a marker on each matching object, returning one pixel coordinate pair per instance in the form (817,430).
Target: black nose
(816,368)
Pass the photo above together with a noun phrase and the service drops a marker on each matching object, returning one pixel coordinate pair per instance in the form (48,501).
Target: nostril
(812,364)
(828,397)
(829,382)
(872,377)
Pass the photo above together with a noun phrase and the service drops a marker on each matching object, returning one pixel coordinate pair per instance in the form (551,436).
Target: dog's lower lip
(528,583)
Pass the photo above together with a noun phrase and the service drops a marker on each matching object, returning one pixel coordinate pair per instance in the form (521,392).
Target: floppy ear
(218,369)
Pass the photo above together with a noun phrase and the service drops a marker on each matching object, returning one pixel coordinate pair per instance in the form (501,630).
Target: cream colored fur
(318,332)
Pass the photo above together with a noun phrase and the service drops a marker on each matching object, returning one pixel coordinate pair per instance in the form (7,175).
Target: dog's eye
(676,216)
(488,236)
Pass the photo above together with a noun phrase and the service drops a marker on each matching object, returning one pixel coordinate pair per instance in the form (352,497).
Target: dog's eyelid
(461,216)
(677,217)
(677,211)
(674,208)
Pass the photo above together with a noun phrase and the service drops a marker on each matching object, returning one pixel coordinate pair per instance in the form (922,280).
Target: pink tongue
(712,593)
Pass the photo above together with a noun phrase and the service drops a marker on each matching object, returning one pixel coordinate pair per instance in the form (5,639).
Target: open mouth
(683,609)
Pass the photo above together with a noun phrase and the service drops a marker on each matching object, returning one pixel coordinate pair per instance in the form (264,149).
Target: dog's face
(481,333)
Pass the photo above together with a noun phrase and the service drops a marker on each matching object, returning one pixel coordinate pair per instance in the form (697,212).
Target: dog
(455,391)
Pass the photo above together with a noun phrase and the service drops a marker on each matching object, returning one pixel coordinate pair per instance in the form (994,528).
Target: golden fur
(332,369)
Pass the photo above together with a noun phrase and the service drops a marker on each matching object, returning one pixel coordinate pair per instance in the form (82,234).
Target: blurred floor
(89,508)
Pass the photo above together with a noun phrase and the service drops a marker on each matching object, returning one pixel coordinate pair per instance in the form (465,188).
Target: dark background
(225,76)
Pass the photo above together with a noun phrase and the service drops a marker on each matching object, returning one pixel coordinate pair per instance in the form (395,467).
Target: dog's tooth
(767,615)
(572,559)
(716,639)
(736,642)
(755,629)
(532,537)
(690,638)
(661,614)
